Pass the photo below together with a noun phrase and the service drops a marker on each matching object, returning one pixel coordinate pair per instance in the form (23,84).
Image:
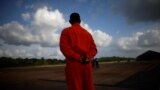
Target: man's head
(74,18)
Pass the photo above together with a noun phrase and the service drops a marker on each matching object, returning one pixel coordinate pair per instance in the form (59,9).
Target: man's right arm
(66,48)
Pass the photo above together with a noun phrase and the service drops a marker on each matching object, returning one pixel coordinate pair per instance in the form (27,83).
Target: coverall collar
(76,24)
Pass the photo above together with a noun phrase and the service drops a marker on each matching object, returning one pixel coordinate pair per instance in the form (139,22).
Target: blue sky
(120,28)
(93,12)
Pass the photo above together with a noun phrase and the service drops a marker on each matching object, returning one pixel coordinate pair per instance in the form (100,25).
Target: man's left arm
(92,50)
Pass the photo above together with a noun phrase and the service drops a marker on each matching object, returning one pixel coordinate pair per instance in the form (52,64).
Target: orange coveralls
(74,42)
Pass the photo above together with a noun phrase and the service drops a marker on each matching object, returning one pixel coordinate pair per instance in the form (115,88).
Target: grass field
(110,76)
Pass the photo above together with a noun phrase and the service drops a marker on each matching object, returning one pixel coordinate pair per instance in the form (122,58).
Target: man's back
(79,38)
(76,41)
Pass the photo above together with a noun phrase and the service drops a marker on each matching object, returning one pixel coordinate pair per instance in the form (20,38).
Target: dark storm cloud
(137,10)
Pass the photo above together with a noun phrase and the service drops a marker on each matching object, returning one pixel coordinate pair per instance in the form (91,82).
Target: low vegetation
(114,58)
(16,62)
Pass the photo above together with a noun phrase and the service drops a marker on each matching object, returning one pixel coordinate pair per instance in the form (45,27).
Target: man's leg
(74,76)
(88,83)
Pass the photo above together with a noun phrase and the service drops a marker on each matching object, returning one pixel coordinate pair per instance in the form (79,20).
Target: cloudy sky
(31,28)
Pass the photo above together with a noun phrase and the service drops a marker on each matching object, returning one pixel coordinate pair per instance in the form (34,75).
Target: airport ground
(110,76)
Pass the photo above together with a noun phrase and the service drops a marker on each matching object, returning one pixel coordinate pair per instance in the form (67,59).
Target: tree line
(115,58)
(16,62)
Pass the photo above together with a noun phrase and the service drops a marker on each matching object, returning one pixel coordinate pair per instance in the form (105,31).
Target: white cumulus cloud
(15,33)
(40,38)
(128,43)
(41,31)
(141,41)
(150,39)
(48,18)
(102,39)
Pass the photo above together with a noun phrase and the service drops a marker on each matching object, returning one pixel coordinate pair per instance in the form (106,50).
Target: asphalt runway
(110,76)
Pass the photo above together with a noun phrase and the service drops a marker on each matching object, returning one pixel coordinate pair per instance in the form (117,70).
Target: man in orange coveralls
(79,48)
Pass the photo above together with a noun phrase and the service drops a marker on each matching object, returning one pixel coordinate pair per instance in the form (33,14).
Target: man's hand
(84,59)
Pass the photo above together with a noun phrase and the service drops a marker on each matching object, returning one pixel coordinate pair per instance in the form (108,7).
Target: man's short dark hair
(75,18)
